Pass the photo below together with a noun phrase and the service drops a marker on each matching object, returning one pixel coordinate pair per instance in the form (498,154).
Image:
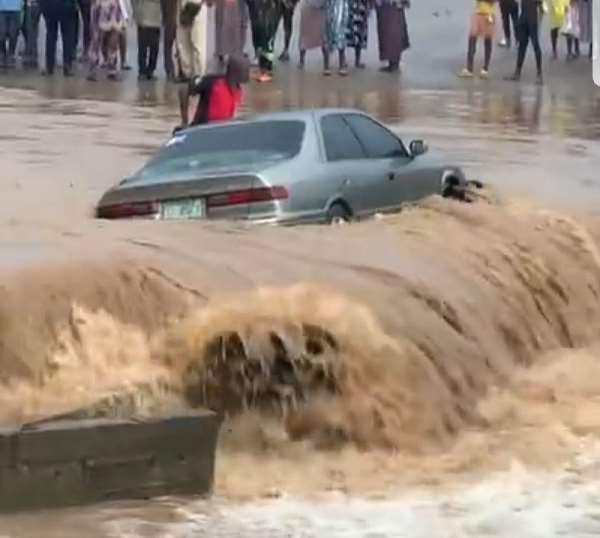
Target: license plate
(194,208)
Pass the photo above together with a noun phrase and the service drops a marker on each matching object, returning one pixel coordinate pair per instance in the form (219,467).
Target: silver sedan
(319,165)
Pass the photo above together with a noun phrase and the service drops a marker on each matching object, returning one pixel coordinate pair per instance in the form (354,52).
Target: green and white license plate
(193,208)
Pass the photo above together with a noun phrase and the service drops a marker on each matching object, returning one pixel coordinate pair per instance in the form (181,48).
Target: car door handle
(391,176)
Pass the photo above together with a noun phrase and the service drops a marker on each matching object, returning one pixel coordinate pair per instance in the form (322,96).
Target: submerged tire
(338,214)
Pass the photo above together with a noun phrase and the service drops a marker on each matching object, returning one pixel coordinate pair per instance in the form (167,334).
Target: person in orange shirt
(483,24)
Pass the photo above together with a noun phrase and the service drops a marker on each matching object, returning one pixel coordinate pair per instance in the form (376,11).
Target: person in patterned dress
(358,29)
(337,15)
(107,23)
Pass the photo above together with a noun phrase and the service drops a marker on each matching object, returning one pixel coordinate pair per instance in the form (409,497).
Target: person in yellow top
(483,24)
(557,10)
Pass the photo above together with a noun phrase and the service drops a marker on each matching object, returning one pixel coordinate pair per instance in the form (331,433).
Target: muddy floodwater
(441,365)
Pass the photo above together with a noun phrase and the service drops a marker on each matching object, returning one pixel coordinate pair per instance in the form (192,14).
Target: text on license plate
(193,208)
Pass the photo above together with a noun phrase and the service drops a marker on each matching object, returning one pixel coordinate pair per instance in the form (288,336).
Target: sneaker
(515,77)
(466,73)
(484,74)
(504,43)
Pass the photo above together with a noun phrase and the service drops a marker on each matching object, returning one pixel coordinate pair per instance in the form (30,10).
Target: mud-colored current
(411,360)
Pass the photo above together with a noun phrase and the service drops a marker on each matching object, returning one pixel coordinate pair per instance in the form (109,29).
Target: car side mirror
(417,147)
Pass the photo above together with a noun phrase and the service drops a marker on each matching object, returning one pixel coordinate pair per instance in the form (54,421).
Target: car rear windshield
(226,146)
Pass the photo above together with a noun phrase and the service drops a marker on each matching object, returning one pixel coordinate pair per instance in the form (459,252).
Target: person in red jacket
(219,96)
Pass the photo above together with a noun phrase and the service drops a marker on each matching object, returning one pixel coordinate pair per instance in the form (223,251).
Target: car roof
(302,114)
(286,115)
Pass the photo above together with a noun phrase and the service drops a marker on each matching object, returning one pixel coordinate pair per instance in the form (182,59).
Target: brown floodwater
(444,359)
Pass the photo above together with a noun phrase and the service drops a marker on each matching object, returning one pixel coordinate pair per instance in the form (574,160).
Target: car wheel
(338,214)
(451,189)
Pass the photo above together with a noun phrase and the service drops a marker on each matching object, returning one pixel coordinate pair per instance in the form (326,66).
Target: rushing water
(433,372)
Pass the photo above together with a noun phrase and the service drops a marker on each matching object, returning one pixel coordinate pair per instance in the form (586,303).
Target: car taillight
(122,211)
(247,196)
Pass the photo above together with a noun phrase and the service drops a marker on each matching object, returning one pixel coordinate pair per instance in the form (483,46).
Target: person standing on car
(509,9)
(528,28)
(10,22)
(59,14)
(147,15)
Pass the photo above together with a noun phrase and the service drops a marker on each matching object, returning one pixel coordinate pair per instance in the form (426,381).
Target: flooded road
(461,340)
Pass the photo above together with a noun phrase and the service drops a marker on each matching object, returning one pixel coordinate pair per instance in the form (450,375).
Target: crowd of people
(570,18)
(95,32)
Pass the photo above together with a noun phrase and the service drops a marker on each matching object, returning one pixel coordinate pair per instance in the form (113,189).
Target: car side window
(340,142)
(378,142)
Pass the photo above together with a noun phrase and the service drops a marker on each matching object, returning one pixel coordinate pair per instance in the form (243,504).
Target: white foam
(518,503)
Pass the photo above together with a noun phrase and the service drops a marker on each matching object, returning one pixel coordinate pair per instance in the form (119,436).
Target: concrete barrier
(69,462)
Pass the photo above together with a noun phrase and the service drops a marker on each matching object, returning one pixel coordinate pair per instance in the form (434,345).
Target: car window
(340,142)
(379,143)
(226,146)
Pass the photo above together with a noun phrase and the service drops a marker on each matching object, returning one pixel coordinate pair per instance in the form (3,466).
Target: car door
(401,180)
(347,168)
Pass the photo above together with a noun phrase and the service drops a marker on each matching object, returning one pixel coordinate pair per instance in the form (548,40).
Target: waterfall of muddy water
(423,343)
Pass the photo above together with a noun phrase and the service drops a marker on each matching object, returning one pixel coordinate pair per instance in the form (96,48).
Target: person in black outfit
(528,28)
(169,19)
(59,13)
(85,9)
(510,14)
(287,12)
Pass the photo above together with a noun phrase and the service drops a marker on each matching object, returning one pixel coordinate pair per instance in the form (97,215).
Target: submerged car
(319,165)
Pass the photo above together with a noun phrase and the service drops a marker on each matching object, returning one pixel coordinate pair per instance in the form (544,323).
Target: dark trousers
(287,12)
(148,44)
(31,24)
(510,13)
(169,16)
(84,10)
(264,23)
(529,30)
(9,33)
(58,14)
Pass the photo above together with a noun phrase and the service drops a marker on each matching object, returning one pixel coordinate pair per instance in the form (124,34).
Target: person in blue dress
(337,17)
